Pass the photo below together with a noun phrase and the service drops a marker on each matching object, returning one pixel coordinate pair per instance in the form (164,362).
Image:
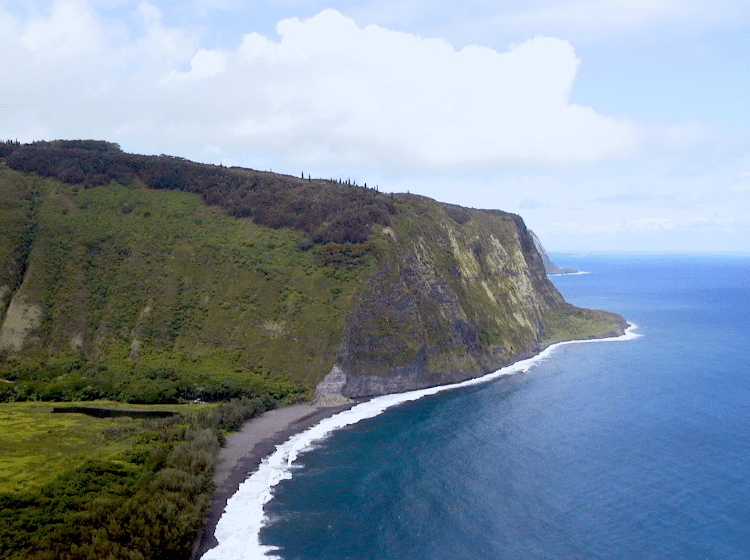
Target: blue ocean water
(635,449)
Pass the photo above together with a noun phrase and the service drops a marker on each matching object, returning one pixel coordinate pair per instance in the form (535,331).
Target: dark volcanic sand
(245,449)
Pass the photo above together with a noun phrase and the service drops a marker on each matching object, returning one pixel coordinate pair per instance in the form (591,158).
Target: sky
(608,125)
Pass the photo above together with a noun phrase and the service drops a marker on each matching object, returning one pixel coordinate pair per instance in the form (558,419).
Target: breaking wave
(238,530)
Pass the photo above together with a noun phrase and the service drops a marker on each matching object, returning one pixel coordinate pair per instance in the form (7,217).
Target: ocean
(630,448)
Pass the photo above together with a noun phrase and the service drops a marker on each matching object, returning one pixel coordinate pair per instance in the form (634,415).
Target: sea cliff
(219,293)
(189,281)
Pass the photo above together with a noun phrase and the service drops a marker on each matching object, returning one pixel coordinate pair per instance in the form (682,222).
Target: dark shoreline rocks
(401,380)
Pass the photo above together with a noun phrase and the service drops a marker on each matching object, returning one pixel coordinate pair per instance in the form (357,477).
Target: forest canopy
(327,210)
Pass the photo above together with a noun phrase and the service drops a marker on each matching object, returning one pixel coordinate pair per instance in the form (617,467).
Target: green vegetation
(173,285)
(19,199)
(155,282)
(324,209)
(157,378)
(37,445)
(575,323)
(92,488)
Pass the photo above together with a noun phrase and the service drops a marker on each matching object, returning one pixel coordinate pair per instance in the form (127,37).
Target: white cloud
(531,204)
(70,29)
(600,13)
(335,98)
(640,226)
(205,64)
(603,20)
(327,90)
(606,12)
(643,225)
(166,45)
(593,228)
(741,184)
(407,100)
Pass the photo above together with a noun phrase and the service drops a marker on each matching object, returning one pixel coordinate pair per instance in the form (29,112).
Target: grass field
(36,445)
(75,486)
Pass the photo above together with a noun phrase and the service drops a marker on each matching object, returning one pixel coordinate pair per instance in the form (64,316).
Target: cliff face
(144,281)
(458,293)
(549,266)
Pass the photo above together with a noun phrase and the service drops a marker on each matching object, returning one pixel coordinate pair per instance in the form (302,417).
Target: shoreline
(245,449)
(260,436)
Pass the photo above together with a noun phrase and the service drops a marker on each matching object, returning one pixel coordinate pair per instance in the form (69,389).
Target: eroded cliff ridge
(549,266)
(152,279)
(458,293)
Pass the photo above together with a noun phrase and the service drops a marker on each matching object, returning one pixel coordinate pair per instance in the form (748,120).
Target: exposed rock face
(435,294)
(19,322)
(549,266)
(453,301)
(329,392)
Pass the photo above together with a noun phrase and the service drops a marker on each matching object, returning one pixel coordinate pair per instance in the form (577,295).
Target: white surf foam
(238,529)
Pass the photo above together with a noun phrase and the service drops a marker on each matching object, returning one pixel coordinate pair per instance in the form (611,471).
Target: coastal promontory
(136,264)
(167,301)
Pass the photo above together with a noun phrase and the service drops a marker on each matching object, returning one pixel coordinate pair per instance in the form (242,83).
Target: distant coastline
(572,273)
(549,267)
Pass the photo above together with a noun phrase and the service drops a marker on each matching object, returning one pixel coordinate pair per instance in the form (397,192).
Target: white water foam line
(238,530)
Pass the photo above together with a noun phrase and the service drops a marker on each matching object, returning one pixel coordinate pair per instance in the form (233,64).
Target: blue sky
(606,124)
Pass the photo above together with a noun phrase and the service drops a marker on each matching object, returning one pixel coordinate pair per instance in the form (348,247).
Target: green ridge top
(154,279)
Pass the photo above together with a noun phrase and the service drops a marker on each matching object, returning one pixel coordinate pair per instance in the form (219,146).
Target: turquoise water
(635,449)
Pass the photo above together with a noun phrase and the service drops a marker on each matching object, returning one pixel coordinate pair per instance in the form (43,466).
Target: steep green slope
(458,293)
(132,278)
(157,280)
(121,291)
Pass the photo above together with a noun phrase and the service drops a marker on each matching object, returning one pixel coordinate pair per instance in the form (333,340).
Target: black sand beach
(245,449)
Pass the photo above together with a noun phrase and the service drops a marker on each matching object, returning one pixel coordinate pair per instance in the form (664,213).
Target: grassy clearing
(36,446)
(575,323)
(111,487)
